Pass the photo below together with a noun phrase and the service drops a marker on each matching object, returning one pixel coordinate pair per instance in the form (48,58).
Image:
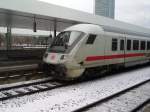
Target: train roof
(21,14)
(124,31)
(86,28)
(90,28)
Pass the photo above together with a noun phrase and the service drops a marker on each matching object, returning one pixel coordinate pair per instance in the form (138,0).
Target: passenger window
(128,44)
(91,39)
(148,45)
(143,45)
(121,44)
(135,45)
(114,44)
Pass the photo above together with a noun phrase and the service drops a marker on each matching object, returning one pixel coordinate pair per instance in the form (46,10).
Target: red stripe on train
(95,58)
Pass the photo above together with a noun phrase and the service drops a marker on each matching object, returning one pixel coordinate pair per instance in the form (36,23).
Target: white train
(87,48)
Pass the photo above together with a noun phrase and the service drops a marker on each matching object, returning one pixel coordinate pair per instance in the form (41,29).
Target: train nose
(61,69)
(58,71)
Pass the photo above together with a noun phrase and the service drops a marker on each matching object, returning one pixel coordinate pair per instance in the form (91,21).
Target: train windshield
(64,41)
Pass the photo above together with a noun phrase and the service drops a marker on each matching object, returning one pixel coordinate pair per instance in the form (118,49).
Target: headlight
(45,55)
(63,57)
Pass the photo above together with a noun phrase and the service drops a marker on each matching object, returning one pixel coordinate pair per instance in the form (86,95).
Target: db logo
(52,56)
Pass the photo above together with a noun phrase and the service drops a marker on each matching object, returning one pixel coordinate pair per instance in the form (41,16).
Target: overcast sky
(131,11)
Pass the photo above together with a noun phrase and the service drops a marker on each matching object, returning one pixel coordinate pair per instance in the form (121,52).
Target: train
(89,48)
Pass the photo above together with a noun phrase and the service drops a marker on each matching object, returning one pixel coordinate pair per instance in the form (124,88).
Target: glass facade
(104,8)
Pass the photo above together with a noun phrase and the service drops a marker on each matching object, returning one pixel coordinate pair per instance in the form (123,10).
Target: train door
(122,50)
(114,49)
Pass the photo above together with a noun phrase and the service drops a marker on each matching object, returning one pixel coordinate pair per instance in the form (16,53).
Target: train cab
(65,53)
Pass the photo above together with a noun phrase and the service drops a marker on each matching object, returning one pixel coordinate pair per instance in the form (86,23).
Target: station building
(104,8)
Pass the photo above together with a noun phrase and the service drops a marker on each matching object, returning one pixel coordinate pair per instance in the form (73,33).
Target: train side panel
(134,54)
(90,54)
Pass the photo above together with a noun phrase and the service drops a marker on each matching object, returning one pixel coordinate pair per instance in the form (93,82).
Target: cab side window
(91,39)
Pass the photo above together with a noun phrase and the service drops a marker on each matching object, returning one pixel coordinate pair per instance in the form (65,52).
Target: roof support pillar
(8,38)
(55,28)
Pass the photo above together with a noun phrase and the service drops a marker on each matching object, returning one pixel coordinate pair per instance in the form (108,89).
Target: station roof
(21,14)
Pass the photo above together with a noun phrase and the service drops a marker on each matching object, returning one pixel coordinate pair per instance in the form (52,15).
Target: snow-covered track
(18,68)
(21,76)
(11,74)
(17,76)
(28,88)
(75,96)
(101,104)
(140,106)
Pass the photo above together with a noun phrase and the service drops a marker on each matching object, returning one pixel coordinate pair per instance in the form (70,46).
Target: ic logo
(53,56)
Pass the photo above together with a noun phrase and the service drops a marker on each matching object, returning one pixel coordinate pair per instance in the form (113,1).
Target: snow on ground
(69,98)
(126,102)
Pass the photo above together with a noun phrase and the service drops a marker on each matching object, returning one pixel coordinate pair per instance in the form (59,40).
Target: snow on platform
(69,98)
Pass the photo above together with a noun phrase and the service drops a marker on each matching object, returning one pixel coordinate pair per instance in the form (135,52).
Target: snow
(126,102)
(2,95)
(11,92)
(72,97)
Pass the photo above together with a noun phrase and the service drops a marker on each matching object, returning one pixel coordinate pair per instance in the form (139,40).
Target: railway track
(29,88)
(12,74)
(106,90)
(105,104)
(19,75)
(18,68)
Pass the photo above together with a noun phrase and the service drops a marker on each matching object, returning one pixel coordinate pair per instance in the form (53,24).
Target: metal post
(8,38)
(55,28)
